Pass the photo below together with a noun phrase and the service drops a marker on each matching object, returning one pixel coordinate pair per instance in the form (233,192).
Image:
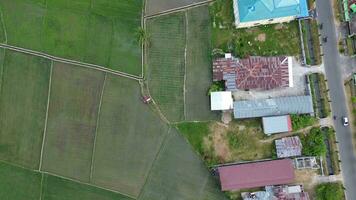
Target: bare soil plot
(128,138)
(23,102)
(72,117)
(100,32)
(19,184)
(166,64)
(198,65)
(178,173)
(157,6)
(55,188)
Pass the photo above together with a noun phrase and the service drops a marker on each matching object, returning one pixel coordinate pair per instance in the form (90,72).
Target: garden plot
(102,33)
(178,173)
(23,103)
(72,117)
(128,138)
(166,64)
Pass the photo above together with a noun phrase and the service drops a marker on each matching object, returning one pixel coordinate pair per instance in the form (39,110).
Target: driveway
(334,68)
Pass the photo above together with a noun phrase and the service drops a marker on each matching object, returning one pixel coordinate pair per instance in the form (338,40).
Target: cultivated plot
(157,6)
(23,103)
(198,65)
(178,173)
(128,138)
(55,188)
(19,184)
(72,116)
(100,32)
(166,64)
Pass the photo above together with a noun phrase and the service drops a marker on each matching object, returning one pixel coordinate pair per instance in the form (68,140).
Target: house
(281,192)
(250,13)
(254,72)
(288,147)
(273,106)
(221,101)
(277,124)
(252,175)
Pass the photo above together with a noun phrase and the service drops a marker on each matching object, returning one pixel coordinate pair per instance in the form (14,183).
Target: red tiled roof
(254,72)
(257,174)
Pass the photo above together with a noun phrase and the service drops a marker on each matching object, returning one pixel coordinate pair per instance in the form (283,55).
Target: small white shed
(221,100)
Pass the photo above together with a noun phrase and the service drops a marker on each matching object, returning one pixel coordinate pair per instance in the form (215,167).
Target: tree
(216,87)
(142,36)
(330,191)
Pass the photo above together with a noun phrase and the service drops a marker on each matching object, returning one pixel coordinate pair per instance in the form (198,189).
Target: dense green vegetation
(313,143)
(330,191)
(302,121)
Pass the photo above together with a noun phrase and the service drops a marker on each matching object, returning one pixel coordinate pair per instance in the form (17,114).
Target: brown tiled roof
(254,72)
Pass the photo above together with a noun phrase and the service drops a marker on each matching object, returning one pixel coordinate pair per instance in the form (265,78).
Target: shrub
(330,191)
(216,86)
(313,143)
(302,121)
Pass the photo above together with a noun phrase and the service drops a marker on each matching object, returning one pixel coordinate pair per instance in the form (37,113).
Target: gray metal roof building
(277,124)
(273,107)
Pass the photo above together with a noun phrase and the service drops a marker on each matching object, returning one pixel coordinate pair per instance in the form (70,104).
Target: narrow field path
(174,10)
(68,61)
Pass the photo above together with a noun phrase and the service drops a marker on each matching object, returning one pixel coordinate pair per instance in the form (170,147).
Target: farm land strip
(74,30)
(24,90)
(74,102)
(133,139)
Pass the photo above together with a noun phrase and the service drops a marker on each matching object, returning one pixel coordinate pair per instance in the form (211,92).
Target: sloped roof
(251,175)
(254,10)
(288,147)
(273,107)
(254,72)
(276,124)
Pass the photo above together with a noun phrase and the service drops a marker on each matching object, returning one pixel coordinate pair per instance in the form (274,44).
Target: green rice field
(24,87)
(179,70)
(72,117)
(99,32)
(128,138)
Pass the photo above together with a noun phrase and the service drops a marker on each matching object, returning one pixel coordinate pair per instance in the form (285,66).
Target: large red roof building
(258,174)
(254,72)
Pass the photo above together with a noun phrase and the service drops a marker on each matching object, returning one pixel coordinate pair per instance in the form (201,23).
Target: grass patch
(265,40)
(166,64)
(330,191)
(349,44)
(198,67)
(23,103)
(177,162)
(302,121)
(320,95)
(334,156)
(102,33)
(314,36)
(195,132)
(128,138)
(74,103)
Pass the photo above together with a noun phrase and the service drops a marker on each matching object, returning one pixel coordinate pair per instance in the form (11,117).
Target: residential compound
(257,12)
(280,192)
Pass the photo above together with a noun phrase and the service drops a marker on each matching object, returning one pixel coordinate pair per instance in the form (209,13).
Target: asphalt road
(337,93)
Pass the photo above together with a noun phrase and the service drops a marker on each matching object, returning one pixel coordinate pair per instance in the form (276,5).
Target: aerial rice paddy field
(101,32)
(81,133)
(157,6)
(179,64)
(72,117)
(128,138)
(25,82)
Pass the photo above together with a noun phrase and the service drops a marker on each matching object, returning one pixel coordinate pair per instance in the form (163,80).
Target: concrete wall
(262,22)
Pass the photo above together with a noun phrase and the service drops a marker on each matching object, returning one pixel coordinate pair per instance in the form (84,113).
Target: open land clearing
(93,129)
(179,60)
(102,32)
(23,101)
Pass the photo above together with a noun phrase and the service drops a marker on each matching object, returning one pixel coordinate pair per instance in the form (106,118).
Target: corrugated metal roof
(277,124)
(251,175)
(273,107)
(288,147)
(221,100)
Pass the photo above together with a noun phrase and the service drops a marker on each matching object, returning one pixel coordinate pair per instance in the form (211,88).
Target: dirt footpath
(157,6)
